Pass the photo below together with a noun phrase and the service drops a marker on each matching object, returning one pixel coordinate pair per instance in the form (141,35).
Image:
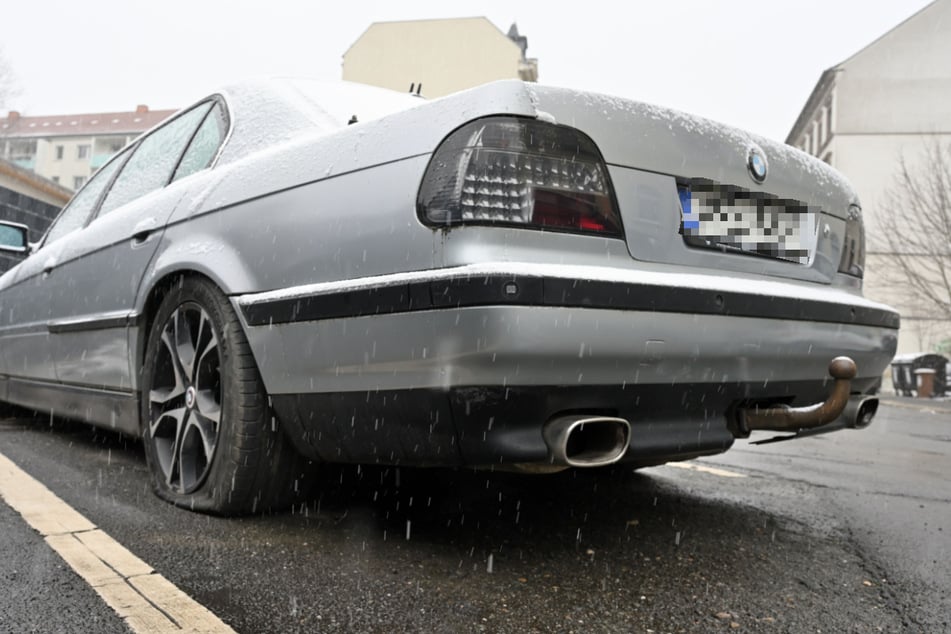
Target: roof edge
(32,179)
(888,32)
(827,77)
(113,113)
(818,94)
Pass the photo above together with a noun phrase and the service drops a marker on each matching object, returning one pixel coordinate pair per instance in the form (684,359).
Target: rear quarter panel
(322,207)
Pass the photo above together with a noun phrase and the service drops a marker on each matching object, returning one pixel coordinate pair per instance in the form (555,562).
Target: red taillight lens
(511,171)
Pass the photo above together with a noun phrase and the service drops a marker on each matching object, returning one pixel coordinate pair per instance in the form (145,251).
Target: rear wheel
(211,441)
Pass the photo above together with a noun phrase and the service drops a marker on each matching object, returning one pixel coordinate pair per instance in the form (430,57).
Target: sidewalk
(909,402)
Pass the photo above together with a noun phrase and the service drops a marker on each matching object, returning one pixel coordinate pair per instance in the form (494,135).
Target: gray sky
(749,63)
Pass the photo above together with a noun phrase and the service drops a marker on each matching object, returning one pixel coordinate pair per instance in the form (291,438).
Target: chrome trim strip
(565,287)
(673,280)
(24,329)
(102,321)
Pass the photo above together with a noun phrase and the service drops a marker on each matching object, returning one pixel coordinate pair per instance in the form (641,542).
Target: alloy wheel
(185,398)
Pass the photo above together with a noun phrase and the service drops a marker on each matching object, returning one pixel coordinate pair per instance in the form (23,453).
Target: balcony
(100,159)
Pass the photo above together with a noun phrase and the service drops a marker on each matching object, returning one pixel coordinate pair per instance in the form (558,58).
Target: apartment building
(886,104)
(440,56)
(67,149)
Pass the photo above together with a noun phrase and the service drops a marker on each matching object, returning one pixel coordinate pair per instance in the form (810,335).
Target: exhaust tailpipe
(859,412)
(580,440)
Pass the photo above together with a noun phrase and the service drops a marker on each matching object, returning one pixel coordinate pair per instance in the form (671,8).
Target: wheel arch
(152,300)
(203,256)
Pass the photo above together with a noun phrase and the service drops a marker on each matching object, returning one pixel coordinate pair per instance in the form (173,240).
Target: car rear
(596,259)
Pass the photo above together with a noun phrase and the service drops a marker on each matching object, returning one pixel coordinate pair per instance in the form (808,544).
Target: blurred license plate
(730,218)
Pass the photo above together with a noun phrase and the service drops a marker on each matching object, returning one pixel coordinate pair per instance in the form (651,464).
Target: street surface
(848,532)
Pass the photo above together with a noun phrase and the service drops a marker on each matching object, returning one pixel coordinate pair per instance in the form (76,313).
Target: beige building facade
(68,149)
(441,56)
(887,104)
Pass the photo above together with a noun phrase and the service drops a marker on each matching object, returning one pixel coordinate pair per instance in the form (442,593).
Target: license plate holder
(733,219)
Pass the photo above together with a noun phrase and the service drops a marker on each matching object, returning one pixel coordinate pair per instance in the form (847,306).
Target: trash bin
(905,379)
(924,377)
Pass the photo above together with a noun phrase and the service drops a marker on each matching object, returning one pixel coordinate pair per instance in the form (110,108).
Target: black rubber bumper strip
(507,290)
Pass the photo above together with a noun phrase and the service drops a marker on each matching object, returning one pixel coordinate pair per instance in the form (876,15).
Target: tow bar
(840,410)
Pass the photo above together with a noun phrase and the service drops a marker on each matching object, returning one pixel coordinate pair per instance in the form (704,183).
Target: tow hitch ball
(840,410)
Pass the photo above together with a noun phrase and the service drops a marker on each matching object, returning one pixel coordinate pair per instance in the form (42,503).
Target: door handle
(141,236)
(143,229)
(49,265)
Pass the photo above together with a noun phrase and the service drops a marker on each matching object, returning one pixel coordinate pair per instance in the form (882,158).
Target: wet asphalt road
(849,532)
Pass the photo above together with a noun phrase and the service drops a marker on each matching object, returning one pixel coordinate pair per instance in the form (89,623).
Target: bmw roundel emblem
(756,162)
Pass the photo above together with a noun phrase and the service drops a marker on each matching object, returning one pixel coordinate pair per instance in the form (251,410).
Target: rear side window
(82,205)
(204,144)
(150,166)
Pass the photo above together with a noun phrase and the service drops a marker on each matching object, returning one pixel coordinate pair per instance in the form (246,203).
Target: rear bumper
(496,426)
(467,369)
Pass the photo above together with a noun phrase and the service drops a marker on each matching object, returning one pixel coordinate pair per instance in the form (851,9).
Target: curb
(907,402)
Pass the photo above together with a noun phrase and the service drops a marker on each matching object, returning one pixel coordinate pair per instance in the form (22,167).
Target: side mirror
(14,237)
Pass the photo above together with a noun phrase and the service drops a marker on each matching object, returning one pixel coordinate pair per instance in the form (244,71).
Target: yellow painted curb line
(147,602)
(693,466)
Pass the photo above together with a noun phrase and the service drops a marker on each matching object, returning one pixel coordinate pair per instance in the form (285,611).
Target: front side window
(153,159)
(77,212)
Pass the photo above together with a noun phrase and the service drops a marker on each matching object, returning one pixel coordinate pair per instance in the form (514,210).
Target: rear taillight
(512,171)
(852,261)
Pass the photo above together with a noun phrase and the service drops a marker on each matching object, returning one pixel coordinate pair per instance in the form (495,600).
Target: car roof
(267,111)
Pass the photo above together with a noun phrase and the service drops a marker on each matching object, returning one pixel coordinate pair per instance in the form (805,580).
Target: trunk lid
(654,154)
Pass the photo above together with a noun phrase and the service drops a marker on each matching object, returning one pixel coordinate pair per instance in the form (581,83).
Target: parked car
(512,277)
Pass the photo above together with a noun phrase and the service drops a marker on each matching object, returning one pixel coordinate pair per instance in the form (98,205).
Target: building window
(59,152)
(828,158)
(82,151)
(78,181)
(22,150)
(56,179)
(829,118)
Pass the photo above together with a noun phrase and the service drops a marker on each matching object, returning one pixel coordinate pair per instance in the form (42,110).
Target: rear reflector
(852,260)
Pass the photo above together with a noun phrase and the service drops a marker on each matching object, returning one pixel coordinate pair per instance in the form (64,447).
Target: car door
(25,291)
(94,282)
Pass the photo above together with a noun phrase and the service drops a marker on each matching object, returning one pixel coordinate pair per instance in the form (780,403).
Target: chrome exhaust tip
(583,440)
(859,411)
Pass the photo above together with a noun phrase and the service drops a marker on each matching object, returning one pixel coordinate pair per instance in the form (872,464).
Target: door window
(153,159)
(80,208)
